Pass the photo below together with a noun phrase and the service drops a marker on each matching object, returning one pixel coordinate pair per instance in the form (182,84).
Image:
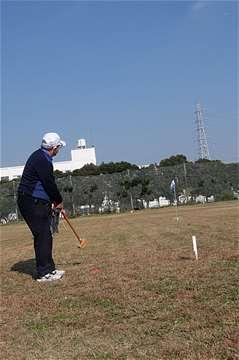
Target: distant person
(36,193)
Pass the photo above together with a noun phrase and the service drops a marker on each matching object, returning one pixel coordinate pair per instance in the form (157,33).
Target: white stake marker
(195,249)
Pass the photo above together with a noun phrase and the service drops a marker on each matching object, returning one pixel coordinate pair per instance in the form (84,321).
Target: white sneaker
(47,277)
(54,275)
(58,272)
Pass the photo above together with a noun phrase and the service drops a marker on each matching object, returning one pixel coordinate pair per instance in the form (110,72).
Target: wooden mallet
(81,241)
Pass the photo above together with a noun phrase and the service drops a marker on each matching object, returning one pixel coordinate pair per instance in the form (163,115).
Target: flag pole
(176,202)
(173,189)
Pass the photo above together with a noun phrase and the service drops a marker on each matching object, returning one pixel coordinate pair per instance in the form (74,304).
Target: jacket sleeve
(44,170)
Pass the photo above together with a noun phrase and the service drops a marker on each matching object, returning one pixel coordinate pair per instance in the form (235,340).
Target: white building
(163,201)
(79,157)
(201,199)
(156,203)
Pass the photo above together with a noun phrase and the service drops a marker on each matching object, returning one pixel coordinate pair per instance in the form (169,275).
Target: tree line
(129,186)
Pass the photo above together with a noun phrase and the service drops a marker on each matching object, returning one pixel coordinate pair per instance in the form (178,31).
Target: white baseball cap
(51,140)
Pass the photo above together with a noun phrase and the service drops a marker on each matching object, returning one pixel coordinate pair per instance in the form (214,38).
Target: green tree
(59,174)
(173,160)
(87,170)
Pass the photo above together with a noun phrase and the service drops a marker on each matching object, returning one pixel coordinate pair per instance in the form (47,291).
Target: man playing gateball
(36,193)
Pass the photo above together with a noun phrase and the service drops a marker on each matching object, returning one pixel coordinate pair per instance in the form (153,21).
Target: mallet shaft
(82,242)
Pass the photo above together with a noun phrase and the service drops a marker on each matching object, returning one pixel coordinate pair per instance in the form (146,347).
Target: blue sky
(124,75)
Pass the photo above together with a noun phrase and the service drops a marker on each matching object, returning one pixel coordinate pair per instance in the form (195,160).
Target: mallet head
(83,243)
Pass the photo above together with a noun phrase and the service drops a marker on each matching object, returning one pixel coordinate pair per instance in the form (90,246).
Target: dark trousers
(37,214)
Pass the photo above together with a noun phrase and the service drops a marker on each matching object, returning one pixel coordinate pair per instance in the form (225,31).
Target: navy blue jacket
(38,178)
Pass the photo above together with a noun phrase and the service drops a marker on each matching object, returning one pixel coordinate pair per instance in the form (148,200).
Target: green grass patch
(38,326)
(112,310)
(168,286)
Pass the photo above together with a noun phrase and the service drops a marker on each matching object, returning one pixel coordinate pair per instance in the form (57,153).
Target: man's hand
(59,207)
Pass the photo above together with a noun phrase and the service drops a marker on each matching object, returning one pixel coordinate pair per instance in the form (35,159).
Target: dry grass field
(135,292)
